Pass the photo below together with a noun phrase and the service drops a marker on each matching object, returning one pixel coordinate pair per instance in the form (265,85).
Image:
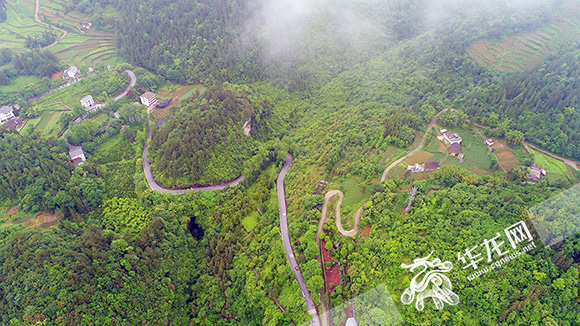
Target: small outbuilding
(77,155)
(489,142)
(431,165)
(536,174)
(455,149)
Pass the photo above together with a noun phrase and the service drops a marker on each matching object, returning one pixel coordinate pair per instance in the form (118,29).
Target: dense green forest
(346,94)
(187,41)
(37,174)
(204,141)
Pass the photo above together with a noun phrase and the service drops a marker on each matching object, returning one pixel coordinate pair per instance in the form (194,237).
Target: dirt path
(64,33)
(416,150)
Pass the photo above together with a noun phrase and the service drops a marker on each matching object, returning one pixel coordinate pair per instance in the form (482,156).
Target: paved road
(283,212)
(572,163)
(155,186)
(357,214)
(131,85)
(416,150)
(64,33)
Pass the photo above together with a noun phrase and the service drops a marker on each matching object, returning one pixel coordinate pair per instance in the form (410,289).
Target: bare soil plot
(422,156)
(507,159)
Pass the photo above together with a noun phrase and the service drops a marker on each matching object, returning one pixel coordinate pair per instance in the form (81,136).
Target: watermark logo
(515,234)
(430,284)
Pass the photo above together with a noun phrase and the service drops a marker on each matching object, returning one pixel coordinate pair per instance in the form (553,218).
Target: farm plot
(507,159)
(551,165)
(89,52)
(526,50)
(47,122)
(19,24)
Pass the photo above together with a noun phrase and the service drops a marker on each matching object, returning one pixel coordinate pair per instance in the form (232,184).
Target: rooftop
(452,136)
(148,95)
(86,98)
(13,124)
(455,148)
(75,151)
(6,109)
(431,165)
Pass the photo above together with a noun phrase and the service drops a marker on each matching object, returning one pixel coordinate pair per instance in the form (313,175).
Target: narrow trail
(64,33)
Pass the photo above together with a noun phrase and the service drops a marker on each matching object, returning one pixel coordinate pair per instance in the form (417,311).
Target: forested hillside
(543,103)
(187,41)
(203,141)
(38,174)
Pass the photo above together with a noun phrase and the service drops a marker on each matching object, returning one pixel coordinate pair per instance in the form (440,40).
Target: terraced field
(19,24)
(526,50)
(77,48)
(90,52)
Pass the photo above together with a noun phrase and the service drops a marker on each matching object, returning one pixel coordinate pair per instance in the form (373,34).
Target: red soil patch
(43,220)
(13,210)
(198,87)
(442,147)
(366,232)
(56,76)
(497,144)
(331,274)
(179,93)
(507,159)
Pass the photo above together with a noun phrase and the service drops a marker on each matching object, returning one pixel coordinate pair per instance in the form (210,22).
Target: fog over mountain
(287,28)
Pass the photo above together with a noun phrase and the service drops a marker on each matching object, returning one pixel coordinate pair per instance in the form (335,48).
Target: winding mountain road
(155,186)
(327,198)
(283,213)
(131,85)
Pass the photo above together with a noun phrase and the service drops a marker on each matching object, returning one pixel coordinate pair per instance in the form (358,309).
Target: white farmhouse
(6,113)
(72,72)
(87,101)
(77,155)
(148,98)
(452,137)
